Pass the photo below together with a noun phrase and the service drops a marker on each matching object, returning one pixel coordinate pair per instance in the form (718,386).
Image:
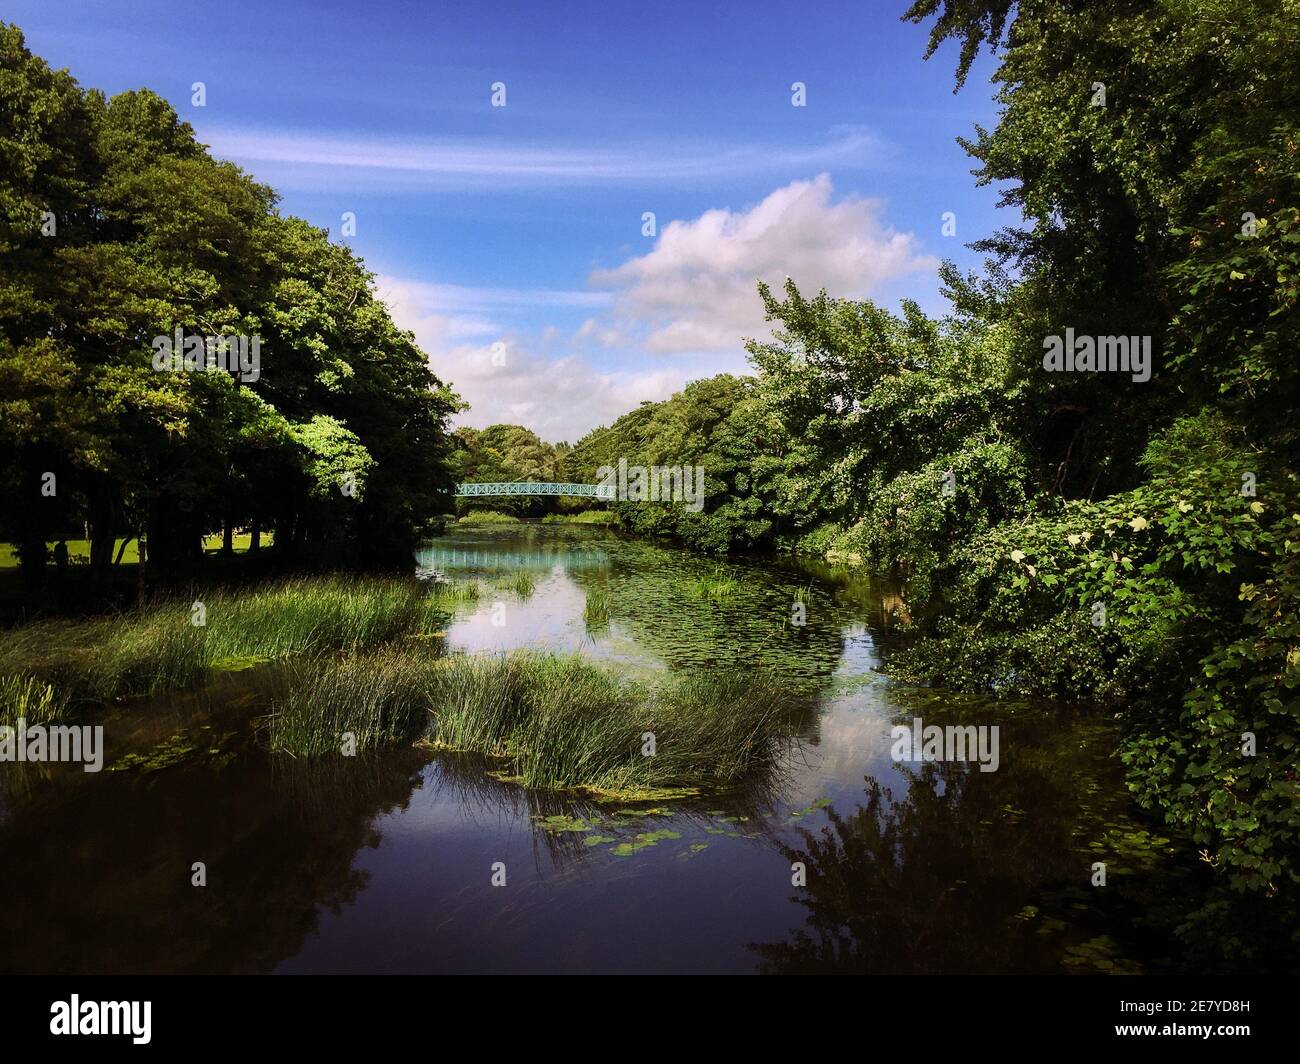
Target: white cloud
(558,398)
(593,330)
(696,291)
(693,293)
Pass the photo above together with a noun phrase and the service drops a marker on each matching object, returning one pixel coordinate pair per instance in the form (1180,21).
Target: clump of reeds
(453,591)
(556,721)
(160,647)
(717,586)
(27,698)
(597,608)
(521,583)
(354,702)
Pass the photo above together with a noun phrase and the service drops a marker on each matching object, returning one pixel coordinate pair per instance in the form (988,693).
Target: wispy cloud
(310,159)
(455,297)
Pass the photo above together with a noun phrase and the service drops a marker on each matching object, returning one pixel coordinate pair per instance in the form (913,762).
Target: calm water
(384,863)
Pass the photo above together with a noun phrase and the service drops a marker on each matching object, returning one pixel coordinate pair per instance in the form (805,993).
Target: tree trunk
(103,527)
(32,554)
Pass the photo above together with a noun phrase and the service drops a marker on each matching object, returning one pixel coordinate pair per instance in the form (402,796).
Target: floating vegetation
(176,750)
(562,823)
(643,841)
(820,803)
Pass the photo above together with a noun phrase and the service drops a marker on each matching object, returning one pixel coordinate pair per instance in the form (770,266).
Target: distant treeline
(117,229)
(505,454)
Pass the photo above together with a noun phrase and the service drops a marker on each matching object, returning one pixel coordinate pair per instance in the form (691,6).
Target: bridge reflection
(542,559)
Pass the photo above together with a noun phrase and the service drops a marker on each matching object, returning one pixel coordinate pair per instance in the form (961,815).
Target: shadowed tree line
(117,227)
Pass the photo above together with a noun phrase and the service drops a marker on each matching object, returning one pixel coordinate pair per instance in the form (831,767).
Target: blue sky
(510,238)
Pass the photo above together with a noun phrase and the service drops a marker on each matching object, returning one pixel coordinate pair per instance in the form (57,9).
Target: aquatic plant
(597,608)
(161,647)
(717,586)
(27,698)
(556,721)
(521,583)
(600,518)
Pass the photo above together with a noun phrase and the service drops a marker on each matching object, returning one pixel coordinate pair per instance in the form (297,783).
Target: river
(847,860)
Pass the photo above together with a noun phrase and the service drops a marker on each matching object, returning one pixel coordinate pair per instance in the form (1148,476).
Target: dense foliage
(1072,534)
(507,454)
(116,227)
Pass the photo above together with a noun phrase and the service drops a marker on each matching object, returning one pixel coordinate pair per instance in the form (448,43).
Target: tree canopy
(118,227)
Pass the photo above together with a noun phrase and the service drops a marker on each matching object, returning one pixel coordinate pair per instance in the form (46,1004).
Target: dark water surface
(384,863)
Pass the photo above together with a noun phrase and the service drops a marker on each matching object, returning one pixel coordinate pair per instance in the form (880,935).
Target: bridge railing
(537,487)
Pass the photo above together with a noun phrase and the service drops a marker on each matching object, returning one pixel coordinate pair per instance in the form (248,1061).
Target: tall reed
(556,721)
(160,647)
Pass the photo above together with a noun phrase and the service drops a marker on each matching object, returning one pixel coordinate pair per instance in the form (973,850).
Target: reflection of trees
(654,599)
(659,607)
(931,883)
(103,885)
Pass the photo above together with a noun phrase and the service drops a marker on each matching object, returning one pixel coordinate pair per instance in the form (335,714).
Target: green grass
(717,586)
(556,722)
(599,601)
(452,591)
(521,583)
(488,517)
(604,518)
(157,647)
(30,699)
(79,549)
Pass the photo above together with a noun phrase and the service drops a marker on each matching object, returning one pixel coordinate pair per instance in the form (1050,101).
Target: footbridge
(537,487)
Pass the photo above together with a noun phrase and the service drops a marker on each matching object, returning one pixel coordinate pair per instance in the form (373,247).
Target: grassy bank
(555,722)
(601,518)
(487,517)
(170,645)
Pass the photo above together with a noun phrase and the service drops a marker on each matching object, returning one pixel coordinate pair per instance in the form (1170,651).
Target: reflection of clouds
(859,655)
(853,742)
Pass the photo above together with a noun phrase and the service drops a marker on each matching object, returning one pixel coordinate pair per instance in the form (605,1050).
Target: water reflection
(108,889)
(383,863)
(657,617)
